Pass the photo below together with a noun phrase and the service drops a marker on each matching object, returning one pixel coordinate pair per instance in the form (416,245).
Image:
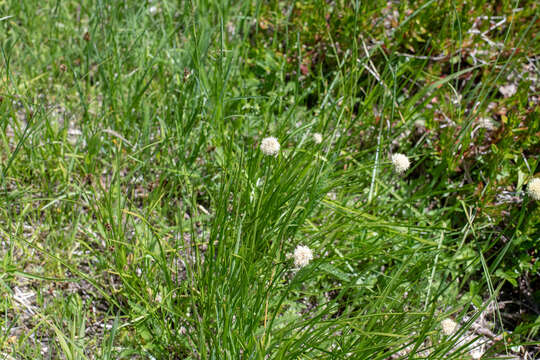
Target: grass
(139,218)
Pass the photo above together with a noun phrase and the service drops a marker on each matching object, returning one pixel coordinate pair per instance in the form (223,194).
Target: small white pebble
(419,124)
(487,124)
(508,90)
(477,353)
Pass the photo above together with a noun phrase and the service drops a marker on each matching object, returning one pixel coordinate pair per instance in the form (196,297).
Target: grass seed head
(534,188)
(302,256)
(270,146)
(448,326)
(401,163)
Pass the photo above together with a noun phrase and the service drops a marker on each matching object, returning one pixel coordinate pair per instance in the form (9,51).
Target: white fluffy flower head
(317,138)
(401,163)
(302,256)
(534,188)
(270,146)
(448,326)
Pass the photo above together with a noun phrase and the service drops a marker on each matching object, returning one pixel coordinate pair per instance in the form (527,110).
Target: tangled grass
(227,180)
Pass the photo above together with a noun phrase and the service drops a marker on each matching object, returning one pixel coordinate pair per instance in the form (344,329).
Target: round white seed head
(270,146)
(317,138)
(401,163)
(302,256)
(534,188)
(448,326)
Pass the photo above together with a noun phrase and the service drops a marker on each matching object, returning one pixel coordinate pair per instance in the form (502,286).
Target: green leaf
(332,270)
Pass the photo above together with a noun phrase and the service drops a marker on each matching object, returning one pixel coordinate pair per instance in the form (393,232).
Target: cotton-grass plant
(448,326)
(205,239)
(302,256)
(270,146)
(533,189)
(400,162)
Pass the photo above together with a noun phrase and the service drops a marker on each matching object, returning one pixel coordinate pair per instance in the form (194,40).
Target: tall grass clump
(268,180)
